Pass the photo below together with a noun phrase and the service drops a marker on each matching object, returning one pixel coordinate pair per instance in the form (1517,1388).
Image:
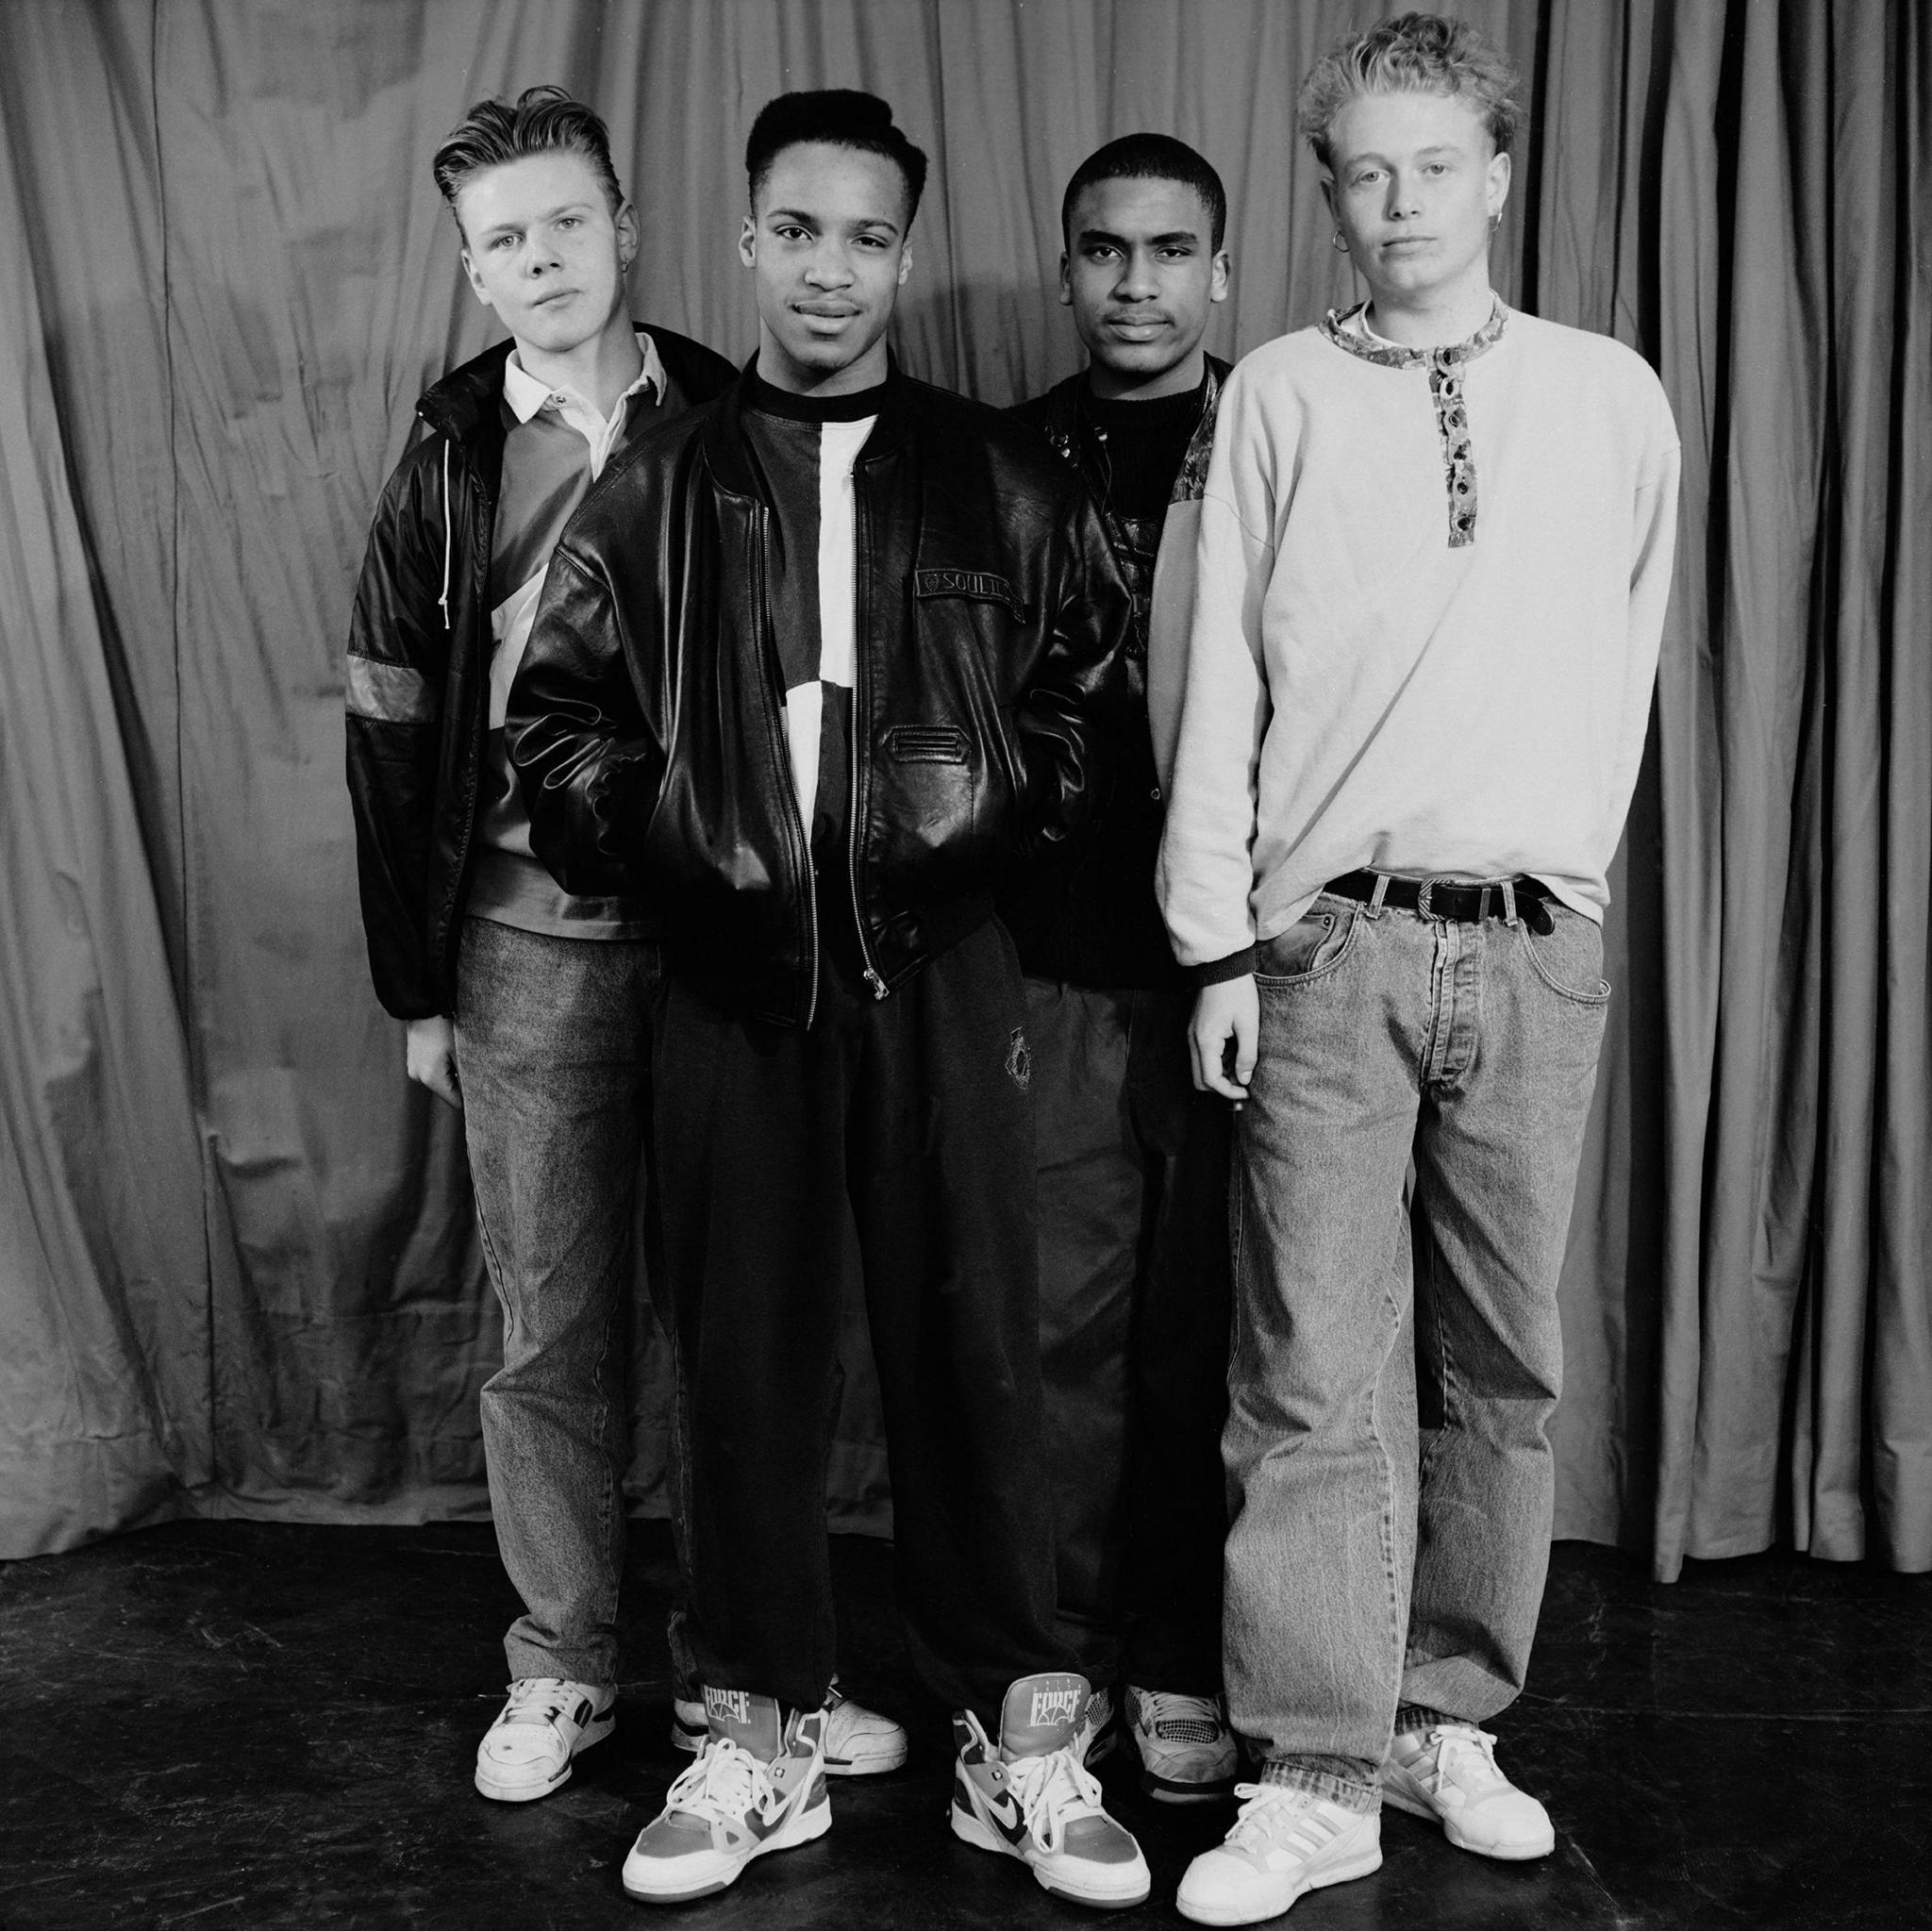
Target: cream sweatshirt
(1416,625)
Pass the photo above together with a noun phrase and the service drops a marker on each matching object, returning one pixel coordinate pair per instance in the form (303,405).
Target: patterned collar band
(1444,366)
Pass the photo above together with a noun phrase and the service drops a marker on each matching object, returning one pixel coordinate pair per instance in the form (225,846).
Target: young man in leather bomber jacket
(526,1006)
(871,650)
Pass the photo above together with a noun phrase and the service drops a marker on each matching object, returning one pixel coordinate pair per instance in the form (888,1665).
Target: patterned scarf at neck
(1444,366)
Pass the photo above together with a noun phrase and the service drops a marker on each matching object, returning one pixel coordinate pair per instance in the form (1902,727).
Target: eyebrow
(1420,153)
(1172,236)
(805,218)
(549,214)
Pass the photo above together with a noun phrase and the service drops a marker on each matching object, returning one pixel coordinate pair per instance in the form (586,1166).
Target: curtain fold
(237,1265)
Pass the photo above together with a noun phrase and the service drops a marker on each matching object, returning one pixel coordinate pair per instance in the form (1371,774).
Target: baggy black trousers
(908,1119)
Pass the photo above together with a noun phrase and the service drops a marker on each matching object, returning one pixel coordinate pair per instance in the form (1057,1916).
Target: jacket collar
(466,402)
(728,453)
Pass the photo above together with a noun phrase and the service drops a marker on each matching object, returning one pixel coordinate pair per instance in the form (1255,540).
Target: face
(825,242)
(543,249)
(1415,185)
(1140,276)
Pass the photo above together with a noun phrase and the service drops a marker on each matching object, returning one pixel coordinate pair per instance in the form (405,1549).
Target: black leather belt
(1445,898)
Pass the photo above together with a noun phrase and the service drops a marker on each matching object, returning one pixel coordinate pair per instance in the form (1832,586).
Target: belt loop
(1380,893)
(1509,902)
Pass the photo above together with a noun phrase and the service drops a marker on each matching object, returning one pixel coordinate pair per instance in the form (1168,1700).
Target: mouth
(554,295)
(1135,327)
(825,312)
(1398,243)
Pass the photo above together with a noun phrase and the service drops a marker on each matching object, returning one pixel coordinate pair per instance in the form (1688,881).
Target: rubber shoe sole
(720,1871)
(971,1830)
(594,1732)
(1364,1865)
(1165,1791)
(1451,1829)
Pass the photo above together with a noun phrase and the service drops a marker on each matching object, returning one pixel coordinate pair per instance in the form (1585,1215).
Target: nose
(1136,283)
(541,257)
(1404,197)
(828,268)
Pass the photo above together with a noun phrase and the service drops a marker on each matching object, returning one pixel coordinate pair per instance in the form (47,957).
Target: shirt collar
(527,396)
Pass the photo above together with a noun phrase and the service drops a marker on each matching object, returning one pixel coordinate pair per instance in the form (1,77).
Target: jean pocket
(1315,944)
(1569,958)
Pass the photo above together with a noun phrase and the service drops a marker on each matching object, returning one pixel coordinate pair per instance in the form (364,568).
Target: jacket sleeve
(586,760)
(1075,709)
(393,688)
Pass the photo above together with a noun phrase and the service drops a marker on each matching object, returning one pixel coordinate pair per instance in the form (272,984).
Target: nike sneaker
(859,1742)
(526,1752)
(1030,1797)
(759,1785)
(1188,1751)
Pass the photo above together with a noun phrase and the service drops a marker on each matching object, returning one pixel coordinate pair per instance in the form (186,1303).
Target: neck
(1111,385)
(1433,318)
(599,370)
(796,378)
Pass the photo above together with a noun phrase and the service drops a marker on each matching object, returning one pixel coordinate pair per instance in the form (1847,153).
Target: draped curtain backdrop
(238,1270)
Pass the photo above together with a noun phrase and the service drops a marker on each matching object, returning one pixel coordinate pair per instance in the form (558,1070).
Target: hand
(431,1059)
(1231,1010)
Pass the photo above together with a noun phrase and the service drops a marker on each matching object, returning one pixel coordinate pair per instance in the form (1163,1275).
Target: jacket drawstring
(448,547)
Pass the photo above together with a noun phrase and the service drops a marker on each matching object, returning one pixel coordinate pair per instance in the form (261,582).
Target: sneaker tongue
(1041,1713)
(751,1721)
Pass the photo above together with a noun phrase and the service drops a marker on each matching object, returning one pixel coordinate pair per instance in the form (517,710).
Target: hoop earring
(1496,220)
(1341,243)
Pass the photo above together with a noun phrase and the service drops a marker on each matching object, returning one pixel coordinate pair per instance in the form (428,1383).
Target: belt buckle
(1424,906)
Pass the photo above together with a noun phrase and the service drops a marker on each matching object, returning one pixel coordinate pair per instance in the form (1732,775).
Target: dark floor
(244,1725)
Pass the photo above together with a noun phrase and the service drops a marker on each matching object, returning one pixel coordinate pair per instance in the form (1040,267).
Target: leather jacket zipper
(774,681)
(854,804)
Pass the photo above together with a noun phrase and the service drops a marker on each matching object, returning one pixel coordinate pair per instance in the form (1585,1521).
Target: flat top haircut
(1148,158)
(1414,53)
(544,120)
(840,117)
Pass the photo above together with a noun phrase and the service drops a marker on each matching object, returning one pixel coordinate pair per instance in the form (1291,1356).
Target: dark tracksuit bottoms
(908,1119)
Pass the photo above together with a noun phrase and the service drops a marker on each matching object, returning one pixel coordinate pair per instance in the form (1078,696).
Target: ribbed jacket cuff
(1237,965)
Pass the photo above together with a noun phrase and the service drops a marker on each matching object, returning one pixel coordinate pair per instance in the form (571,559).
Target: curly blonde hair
(1414,53)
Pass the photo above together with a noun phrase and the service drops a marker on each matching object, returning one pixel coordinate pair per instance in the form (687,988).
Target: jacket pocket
(926,744)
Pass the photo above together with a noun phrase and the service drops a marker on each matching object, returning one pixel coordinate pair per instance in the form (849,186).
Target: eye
(1436,167)
(789,231)
(501,241)
(1176,253)
(570,221)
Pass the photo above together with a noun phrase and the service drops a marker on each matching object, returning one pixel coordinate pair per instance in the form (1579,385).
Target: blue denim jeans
(553,1050)
(1376,1557)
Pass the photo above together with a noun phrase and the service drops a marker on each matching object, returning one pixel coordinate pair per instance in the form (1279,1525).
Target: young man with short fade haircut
(871,656)
(1132,1160)
(1429,584)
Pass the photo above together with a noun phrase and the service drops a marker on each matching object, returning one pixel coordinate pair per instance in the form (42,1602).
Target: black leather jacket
(646,726)
(417,673)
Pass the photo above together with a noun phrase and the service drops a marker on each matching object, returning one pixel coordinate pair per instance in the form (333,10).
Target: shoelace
(536,1700)
(1274,1813)
(1179,1718)
(1052,1790)
(1456,1748)
(722,1785)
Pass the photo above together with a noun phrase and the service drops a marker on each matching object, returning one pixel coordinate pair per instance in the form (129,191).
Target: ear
(1328,197)
(475,281)
(904,263)
(748,243)
(628,234)
(1218,274)
(1066,285)
(1498,184)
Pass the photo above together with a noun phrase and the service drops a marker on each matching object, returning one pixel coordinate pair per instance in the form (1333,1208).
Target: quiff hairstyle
(1148,158)
(839,117)
(1414,53)
(545,120)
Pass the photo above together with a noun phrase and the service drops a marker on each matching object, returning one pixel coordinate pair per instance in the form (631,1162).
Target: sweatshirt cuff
(1237,965)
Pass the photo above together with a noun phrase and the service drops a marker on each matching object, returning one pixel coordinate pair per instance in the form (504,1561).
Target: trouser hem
(1363,1796)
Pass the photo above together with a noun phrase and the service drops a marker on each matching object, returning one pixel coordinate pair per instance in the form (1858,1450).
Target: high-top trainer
(526,1752)
(1098,1733)
(1448,1774)
(1030,1797)
(1188,1751)
(1285,1842)
(859,1742)
(757,1785)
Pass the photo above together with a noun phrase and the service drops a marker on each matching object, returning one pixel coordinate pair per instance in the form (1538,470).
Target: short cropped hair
(1148,158)
(1414,53)
(840,117)
(545,120)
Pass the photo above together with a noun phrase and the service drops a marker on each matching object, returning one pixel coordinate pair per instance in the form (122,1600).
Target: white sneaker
(526,1752)
(1188,1751)
(859,1742)
(1097,1734)
(1284,1842)
(755,1787)
(1030,1797)
(1448,1774)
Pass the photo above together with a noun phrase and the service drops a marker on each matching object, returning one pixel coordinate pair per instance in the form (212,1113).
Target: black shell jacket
(418,674)
(646,720)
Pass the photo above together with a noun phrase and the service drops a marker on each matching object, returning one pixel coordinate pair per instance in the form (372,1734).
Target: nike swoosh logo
(1006,1813)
